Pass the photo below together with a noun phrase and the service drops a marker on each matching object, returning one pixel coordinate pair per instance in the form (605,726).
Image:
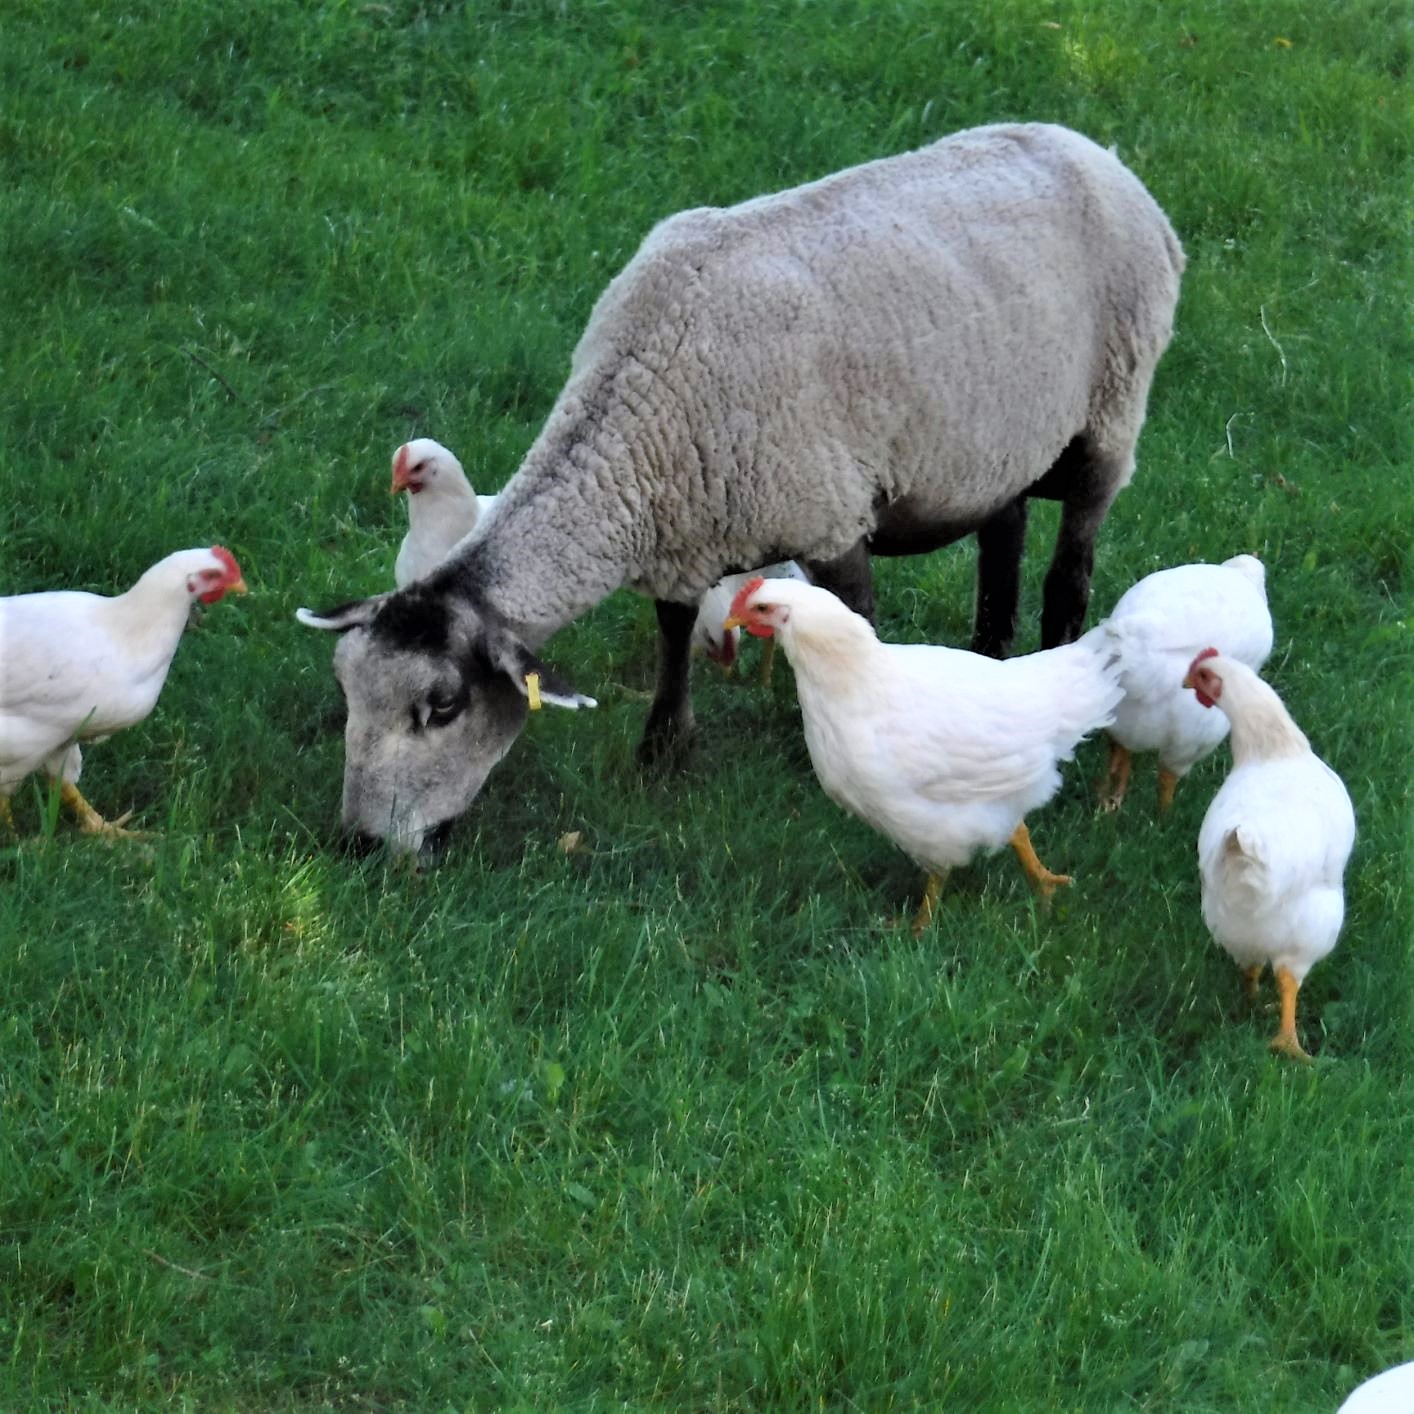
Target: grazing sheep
(442,509)
(882,361)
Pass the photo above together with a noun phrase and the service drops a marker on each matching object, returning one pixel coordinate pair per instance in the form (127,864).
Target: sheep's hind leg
(1000,542)
(1084,481)
(670,717)
(849,578)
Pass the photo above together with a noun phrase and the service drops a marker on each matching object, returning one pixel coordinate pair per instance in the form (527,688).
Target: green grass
(677,1121)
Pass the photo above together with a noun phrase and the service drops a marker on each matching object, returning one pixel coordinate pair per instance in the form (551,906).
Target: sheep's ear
(355,614)
(535,680)
(542,684)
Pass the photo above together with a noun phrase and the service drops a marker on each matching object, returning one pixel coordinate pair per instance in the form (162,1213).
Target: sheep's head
(437,689)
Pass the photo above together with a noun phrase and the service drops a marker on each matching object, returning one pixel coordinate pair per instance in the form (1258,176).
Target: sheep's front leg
(670,717)
(1000,541)
(849,578)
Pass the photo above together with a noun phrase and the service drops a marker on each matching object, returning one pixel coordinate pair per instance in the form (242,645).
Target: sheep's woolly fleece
(917,338)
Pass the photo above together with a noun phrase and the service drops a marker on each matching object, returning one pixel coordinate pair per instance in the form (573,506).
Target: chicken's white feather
(442,508)
(1274,843)
(78,667)
(709,636)
(1157,628)
(942,750)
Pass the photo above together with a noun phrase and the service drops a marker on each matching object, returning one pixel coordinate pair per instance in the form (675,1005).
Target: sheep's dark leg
(1067,588)
(670,717)
(999,544)
(1085,483)
(849,578)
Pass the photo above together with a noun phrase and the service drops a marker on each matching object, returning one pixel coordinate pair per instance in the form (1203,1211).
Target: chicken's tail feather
(1087,686)
(1147,655)
(1244,866)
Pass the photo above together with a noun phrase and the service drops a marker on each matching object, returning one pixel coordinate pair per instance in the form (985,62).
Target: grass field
(679,1120)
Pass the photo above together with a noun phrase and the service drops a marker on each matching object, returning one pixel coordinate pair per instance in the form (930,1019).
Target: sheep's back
(932,327)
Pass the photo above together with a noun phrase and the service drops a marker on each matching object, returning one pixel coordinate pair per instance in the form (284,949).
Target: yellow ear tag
(532,690)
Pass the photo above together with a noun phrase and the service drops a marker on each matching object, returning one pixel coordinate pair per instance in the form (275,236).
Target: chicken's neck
(150,617)
(1262,728)
(442,516)
(442,498)
(840,659)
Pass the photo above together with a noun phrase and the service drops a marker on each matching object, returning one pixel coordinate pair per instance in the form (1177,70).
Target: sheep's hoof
(665,741)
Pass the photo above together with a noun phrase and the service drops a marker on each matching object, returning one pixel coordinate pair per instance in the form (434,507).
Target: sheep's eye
(442,710)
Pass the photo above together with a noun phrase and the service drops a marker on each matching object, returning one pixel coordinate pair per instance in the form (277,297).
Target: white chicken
(1157,627)
(1274,843)
(77,667)
(442,507)
(1390,1392)
(942,750)
(710,634)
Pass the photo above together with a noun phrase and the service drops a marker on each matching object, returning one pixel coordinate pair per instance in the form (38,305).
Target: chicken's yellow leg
(931,892)
(7,820)
(1116,780)
(768,661)
(1285,1040)
(1040,878)
(1253,977)
(1168,782)
(90,821)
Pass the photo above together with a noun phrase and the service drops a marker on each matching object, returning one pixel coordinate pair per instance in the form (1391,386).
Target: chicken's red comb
(1206,653)
(402,471)
(228,561)
(738,608)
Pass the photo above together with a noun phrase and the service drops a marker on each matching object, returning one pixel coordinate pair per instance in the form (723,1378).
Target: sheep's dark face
(436,693)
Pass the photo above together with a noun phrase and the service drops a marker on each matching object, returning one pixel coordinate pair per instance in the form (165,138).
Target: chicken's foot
(1168,783)
(932,890)
(1116,779)
(90,821)
(1286,1040)
(1040,878)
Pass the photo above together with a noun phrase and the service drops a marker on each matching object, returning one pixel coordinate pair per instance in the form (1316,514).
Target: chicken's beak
(400,482)
(1187,680)
(239,586)
(735,621)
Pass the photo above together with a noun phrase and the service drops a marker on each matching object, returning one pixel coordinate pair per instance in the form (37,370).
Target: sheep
(879,362)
